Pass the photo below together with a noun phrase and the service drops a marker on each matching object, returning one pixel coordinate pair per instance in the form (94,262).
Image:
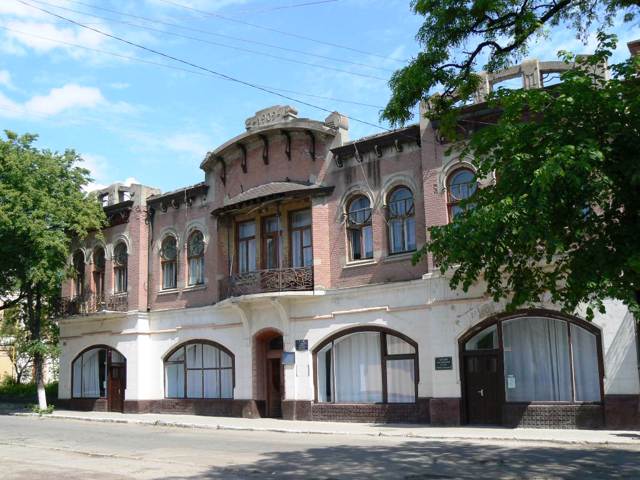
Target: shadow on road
(7,408)
(413,460)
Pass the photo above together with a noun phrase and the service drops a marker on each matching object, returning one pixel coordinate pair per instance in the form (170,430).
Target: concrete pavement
(53,448)
(580,437)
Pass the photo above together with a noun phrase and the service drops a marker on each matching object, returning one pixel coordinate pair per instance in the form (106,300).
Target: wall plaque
(302,345)
(444,363)
(288,358)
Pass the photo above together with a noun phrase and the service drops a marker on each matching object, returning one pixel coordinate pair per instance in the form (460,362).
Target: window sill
(360,263)
(399,257)
(168,291)
(195,288)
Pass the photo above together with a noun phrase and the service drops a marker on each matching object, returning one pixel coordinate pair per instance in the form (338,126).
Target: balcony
(267,281)
(91,303)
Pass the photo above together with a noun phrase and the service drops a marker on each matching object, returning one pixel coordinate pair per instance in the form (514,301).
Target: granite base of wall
(622,412)
(444,411)
(377,413)
(553,416)
(83,404)
(214,408)
(296,410)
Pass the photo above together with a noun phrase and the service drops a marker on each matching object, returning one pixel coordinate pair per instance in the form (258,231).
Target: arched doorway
(99,373)
(269,371)
(533,357)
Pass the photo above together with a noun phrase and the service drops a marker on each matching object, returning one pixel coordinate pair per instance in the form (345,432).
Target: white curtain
(536,356)
(194,383)
(585,365)
(174,380)
(77,378)
(196,270)
(91,374)
(401,387)
(169,275)
(226,383)
(211,383)
(358,373)
(397,346)
(210,356)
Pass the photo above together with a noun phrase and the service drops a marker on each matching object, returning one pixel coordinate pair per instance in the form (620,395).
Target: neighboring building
(283,286)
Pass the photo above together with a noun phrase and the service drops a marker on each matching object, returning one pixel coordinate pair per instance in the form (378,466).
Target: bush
(11,390)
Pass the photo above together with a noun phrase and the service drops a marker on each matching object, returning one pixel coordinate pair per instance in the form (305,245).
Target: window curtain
(77,378)
(174,380)
(536,356)
(358,375)
(169,275)
(91,374)
(585,365)
(401,381)
(196,270)
(324,374)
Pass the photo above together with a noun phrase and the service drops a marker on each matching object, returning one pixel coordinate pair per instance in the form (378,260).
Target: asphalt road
(40,448)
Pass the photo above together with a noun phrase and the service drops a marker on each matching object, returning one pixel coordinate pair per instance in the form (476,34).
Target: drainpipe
(149,222)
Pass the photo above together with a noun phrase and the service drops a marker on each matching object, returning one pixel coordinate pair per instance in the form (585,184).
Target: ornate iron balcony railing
(265,281)
(91,303)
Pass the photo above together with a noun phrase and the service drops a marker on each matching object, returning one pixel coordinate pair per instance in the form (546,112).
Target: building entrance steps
(559,436)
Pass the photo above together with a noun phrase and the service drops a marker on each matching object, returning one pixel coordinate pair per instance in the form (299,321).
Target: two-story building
(283,286)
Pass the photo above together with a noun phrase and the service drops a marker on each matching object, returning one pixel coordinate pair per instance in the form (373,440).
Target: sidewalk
(595,437)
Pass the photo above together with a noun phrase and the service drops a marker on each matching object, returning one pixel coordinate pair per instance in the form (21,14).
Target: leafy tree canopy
(563,217)
(457,35)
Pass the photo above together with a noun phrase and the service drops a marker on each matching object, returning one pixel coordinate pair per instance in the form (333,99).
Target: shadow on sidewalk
(415,460)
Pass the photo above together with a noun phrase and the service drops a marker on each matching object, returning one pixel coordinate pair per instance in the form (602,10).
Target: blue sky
(136,120)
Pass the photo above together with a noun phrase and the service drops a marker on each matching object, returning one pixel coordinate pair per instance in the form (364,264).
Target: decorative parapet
(90,303)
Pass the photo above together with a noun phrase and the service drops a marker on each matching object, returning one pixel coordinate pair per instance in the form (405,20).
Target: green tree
(457,35)
(42,207)
(562,218)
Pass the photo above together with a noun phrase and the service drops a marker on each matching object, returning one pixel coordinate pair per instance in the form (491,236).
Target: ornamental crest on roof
(271,116)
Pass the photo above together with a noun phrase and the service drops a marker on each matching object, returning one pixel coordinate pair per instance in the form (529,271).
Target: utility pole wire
(208,32)
(274,30)
(174,67)
(218,44)
(199,67)
(284,7)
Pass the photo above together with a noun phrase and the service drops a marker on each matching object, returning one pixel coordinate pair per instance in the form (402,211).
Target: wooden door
(483,383)
(116,385)
(275,387)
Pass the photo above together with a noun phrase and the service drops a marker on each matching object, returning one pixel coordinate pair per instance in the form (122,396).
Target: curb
(412,435)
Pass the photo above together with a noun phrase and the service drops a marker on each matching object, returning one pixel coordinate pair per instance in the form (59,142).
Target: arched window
(359,229)
(78,269)
(98,270)
(195,257)
(120,264)
(367,366)
(169,255)
(461,186)
(401,220)
(90,372)
(545,359)
(199,369)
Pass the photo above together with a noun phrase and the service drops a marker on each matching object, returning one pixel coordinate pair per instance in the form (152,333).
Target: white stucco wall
(425,310)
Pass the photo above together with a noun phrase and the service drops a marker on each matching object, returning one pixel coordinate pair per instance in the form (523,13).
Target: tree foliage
(563,217)
(42,207)
(458,35)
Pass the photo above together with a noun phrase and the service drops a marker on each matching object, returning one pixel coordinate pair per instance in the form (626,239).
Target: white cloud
(5,79)
(195,144)
(69,97)
(65,98)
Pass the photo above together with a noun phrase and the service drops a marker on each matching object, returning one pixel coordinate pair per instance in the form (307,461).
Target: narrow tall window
(78,267)
(120,265)
(301,246)
(195,254)
(246,247)
(271,243)
(461,186)
(401,220)
(98,271)
(169,254)
(359,228)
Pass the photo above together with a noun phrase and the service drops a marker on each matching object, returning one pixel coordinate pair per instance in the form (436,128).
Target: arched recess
(366,364)
(527,357)
(99,373)
(199,369)
(268,380)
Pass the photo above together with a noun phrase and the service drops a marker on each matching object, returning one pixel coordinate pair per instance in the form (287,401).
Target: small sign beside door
(288,358)
(302,345)
(444,363)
